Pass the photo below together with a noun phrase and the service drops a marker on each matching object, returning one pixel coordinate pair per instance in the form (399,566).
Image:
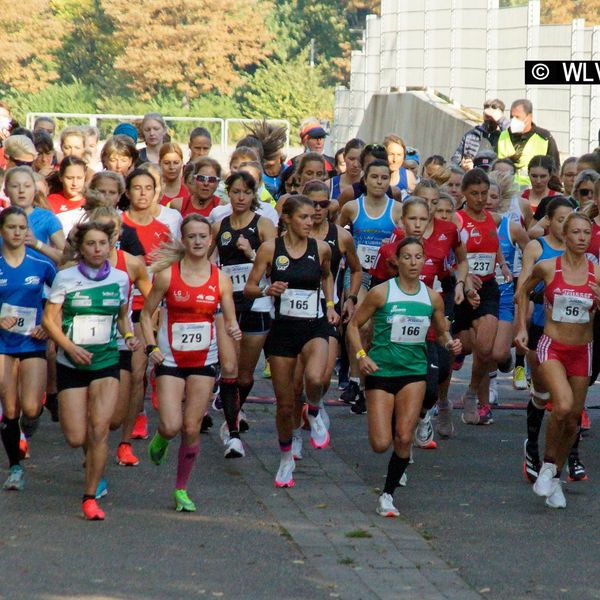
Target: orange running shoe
(125,456)
(91,510)
(23,448)
(140,428)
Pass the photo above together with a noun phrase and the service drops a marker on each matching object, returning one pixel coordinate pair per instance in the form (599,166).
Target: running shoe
(343,381)
(577,470)
(403,480)
(224,433)
(385,506)
(519,378)
(445,427)
(545,483)
(16,479)
(531,463)
(297,444)
(470,414)
(91,510)
(243,422)
(319,436)
(183,502)
(267,369)
(586,422)
(29,426)
(157,449)
(217,403)
(125,456)
(140,428)
(360,405)
(207,423)
(459,359)
(52,406)
(324,415)
(285,474)
(493,390)
(23,448)
(557,498)
(485,415)
(348,396)
(102,488)
(423,437)
(234,448)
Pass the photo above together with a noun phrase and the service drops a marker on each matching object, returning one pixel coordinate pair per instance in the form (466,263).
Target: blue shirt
(43,223)
(21,290)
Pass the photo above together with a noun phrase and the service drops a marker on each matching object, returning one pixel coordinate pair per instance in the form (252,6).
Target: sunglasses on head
(321,203)
(206,178)
(586,192)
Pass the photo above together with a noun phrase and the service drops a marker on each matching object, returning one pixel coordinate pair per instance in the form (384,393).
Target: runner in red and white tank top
(480,237)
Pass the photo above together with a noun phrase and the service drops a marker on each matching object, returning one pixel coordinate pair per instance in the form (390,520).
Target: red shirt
(481,241)
(183,193)
(526,193)
(187,208)
(593,251)
(438,246)
(60,204)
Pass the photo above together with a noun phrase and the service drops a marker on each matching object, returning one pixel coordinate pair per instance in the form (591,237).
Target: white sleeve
(58,291)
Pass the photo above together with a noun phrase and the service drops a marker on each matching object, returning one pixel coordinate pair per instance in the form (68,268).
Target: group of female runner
(155,271)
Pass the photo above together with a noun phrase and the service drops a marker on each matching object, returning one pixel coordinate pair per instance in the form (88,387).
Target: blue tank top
(21,291)
(403,181)
(371,232)
(335,187)
(509,251)
(538,317)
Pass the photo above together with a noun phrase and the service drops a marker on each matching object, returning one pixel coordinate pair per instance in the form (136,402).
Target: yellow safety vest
(535,145)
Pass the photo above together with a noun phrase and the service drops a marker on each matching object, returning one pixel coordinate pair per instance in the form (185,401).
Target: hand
(348,310)
(521,340)
(8,322)
(39,333)
(79,355)
(277,288)
(332,317)
(234,331)
(30,239)
(473,298)
(508,276)
(244,245)
(476,282)
(454,347)
(156,357)
(367,366)
(133,343)
(459,294)
(466,163)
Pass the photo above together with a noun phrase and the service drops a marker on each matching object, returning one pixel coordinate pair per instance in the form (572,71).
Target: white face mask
(516,125)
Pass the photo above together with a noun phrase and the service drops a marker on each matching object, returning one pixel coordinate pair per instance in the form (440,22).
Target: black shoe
(577,470)
(52,406)
(349,395)
(206,424)
(360,406)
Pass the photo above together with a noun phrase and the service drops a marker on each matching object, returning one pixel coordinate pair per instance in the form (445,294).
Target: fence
(470,50)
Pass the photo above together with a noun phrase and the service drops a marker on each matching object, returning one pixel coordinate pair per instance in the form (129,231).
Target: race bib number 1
(186,337)
(409,330)
(91,330)
(571,309)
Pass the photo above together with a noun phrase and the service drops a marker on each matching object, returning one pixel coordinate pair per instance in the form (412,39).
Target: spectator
(46,124)
(481,137)
(524,139)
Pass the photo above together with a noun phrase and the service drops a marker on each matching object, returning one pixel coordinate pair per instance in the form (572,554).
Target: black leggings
(438,369)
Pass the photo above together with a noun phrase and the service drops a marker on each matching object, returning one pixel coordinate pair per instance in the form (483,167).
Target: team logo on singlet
(32,280)
(282,263)
(180,296)
(226,238)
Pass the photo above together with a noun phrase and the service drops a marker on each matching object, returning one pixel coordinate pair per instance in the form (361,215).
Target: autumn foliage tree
(191,47)
(28,39)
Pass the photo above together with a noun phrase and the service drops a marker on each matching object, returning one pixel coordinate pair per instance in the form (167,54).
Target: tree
(27,42)
(288,90)
(188,46)
(559,11)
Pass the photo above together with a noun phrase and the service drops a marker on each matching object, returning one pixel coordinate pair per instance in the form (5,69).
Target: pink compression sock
(185,463)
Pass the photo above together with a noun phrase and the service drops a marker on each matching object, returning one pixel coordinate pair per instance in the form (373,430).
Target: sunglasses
(321,203)
(206,178)
(370,147)
(586,192)
(493,105)
(293,184)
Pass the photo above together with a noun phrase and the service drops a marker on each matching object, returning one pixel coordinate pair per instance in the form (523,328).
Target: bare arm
(441,325)
(522,297)
(162,280)
(349,249)
(52,323)
(228,307)
(348,213)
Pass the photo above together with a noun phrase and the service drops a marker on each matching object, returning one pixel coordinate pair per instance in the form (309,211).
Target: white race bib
(89,330)
(239,275)
(25,318)
(481,263)
(303,304)
(186,337)
(571,309)
(367,255)
(409,330)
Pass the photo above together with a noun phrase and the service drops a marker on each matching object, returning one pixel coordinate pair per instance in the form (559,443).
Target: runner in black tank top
(299,266)
(237,238)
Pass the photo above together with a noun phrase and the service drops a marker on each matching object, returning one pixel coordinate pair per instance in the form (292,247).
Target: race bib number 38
(89,330)
(302,304)
(409,330)
(481,263)
(186,337)
(571,309)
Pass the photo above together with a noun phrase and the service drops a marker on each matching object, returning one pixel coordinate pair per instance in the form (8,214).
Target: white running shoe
(493,391)
(403,480)
(545,485)
(557,498)
(297,444)
(285,473)
(324,415)
(385,506)
(243,421)
(234,448)
(319,436)
(224,433)
(423,437)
